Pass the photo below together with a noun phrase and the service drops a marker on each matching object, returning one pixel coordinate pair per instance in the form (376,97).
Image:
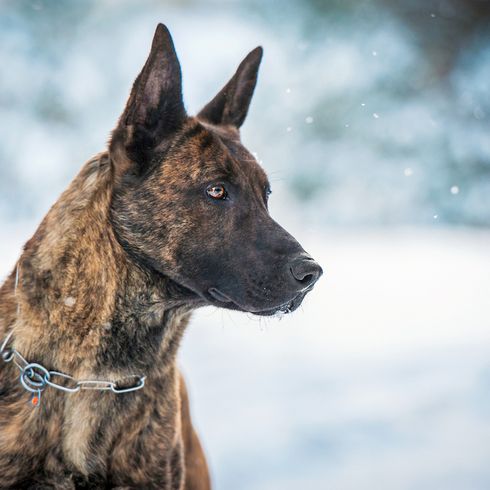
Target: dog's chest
(125,441)
(81,422)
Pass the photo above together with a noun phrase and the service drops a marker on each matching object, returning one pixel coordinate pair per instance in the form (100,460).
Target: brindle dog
(172,217)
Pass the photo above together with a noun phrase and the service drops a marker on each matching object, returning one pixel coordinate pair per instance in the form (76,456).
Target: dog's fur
(109,280)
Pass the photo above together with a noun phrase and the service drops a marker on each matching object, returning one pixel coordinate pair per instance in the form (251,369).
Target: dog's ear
(231,105)
(155,109)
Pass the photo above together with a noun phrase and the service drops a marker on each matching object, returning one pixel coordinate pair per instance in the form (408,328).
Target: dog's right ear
(154,111)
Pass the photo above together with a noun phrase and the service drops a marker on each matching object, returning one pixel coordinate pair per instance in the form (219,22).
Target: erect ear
(231,104)
(154,109)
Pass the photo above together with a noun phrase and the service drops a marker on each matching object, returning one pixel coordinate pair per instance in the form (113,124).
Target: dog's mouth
(216,297)
(224,300)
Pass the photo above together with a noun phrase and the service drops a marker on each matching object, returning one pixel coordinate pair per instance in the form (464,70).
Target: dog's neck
(78,291)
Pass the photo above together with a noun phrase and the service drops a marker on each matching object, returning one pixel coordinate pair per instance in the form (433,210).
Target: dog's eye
(217,192)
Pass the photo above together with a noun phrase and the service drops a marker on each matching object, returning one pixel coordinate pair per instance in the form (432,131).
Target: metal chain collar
(35,378)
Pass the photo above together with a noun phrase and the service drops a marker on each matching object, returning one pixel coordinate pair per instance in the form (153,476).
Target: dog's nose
(306,272)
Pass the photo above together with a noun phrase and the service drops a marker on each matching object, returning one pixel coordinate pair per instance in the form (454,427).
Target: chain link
(35,377)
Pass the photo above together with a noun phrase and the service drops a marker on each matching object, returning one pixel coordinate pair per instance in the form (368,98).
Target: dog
(172,217)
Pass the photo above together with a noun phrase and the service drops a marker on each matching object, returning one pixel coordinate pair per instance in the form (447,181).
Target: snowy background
(372,120)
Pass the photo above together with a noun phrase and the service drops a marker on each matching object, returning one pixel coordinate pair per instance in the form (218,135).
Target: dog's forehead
(246,162)
(211,152)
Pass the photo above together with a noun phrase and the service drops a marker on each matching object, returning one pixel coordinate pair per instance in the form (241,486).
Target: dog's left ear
(154,111)
(231,105)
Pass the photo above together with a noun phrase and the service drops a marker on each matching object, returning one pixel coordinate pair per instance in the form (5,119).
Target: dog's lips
(285,308)
(219,296)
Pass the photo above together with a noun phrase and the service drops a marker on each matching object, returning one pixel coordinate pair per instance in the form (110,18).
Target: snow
(381,380)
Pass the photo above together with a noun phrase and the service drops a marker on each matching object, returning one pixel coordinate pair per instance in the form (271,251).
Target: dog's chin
(220,299)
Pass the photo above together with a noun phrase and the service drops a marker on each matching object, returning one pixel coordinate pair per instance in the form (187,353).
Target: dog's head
(191,202)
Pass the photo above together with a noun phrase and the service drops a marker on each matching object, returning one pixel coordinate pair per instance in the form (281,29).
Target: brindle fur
(109,280)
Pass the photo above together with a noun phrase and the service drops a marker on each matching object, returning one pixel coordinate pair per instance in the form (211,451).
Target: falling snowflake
(408,172)
(309,119)
(454,189)
(435,216)
(288,90)
(70,301)
(289,129)
(375,115)
(375,53)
